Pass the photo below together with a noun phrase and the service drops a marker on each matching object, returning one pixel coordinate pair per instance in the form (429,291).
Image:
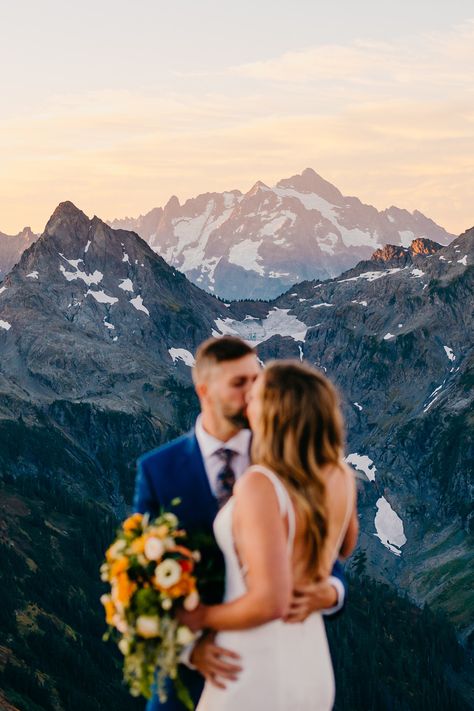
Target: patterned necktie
(225,478)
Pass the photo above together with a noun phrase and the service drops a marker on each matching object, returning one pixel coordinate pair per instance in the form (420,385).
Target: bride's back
(298,434)
(340,503)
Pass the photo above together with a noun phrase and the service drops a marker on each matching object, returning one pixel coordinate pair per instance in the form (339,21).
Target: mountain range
(257,244)
(97,333)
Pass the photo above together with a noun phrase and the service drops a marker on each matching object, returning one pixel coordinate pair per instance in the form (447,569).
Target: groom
(199,468)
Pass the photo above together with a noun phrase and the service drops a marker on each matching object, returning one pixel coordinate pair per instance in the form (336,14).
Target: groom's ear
(201,389)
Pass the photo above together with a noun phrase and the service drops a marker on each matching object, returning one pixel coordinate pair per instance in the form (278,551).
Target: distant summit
(257,244)
(12,247)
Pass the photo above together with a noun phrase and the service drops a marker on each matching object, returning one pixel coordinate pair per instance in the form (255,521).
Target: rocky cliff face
(95,330)
(258,244)
(12,247)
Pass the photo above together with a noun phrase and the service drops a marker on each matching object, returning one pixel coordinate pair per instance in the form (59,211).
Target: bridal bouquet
(150,573)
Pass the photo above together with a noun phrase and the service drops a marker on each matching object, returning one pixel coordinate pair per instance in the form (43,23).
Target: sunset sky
(118,105)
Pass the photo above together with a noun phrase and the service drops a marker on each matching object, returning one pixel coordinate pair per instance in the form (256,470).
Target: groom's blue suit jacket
(176,470)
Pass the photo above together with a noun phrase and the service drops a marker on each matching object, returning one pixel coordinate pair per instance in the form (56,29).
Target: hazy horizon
(117,108)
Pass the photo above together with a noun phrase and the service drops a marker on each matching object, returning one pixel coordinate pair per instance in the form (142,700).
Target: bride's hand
(194,619)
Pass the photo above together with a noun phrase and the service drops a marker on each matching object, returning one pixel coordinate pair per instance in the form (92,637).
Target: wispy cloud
(389,122)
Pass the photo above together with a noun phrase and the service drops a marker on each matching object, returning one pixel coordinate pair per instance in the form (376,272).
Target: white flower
(197,556)
(124,646)
(154,548)
(120,624)
(167,603)
(171,519)
(116,548)
(191,601)
(184,636)
(148,626)
(167,573)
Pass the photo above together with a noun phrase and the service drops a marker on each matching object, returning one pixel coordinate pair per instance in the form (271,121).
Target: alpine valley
(97,333)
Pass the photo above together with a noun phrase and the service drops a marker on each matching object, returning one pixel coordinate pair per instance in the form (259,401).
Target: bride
(291,515)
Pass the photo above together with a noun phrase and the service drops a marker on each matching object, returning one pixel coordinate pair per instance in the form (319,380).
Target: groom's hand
(215,663)
(313,597)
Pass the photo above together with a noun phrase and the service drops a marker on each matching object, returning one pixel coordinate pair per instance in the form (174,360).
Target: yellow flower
(138,545)
(132,522)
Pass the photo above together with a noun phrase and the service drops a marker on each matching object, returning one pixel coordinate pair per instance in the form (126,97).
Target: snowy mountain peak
(261,243)
(310,182)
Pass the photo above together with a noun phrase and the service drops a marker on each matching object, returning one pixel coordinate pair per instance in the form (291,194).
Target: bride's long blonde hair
(300,431)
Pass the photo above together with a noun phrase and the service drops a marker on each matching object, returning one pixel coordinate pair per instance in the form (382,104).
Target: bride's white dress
(286,667)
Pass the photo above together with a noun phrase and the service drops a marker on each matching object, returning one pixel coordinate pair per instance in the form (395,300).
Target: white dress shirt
(209,446)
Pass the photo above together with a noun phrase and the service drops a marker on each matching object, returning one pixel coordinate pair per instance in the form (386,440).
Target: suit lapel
(199,490)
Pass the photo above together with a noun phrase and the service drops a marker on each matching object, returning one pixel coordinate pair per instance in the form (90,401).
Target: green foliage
(390,655)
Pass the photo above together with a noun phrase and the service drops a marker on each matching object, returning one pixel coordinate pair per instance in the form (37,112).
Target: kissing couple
(280,505)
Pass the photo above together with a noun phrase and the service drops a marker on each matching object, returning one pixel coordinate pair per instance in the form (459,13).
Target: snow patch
(5,325)
(108,325)
(32,275)
(89,279)
(182,354)
(126,258)
(278,322)
(417,272)
(137,302)
(372,276)
(449,353)
(388,336)
(463,260)
(86,248)
(362,303)
(317,306)
(359,407)
(362,463)
(389,527)
(2,289)
(102,297)
(245,254)
(126,285)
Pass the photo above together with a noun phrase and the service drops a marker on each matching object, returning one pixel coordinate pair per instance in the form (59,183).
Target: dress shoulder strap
(284,499)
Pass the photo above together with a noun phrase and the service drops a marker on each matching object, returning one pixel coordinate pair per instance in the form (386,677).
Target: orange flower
(118,567)
(186,585)
(125,588)
(109,612)
(138,545)
(132,522)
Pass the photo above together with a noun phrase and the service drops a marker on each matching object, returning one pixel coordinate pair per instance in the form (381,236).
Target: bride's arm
(350,539)
(261,542)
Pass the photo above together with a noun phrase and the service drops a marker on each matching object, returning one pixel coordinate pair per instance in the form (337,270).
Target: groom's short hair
(219,350)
